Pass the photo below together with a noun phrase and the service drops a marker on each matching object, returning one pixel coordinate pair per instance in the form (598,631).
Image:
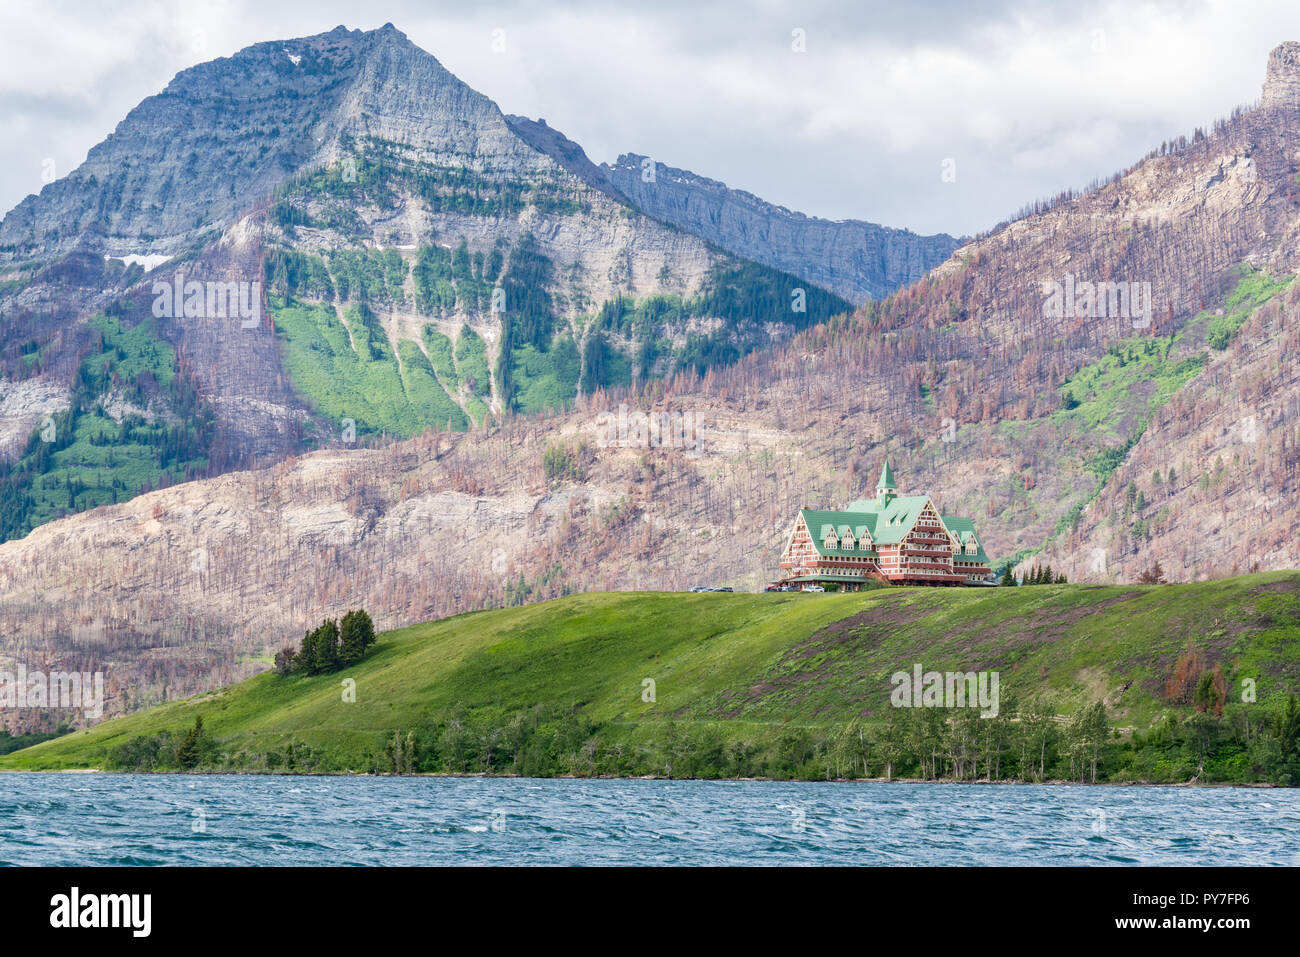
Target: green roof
(821,522)
(964,529)
(889,524)
(886,477)
(886,526)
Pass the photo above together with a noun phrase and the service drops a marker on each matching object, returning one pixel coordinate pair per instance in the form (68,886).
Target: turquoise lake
(99,819)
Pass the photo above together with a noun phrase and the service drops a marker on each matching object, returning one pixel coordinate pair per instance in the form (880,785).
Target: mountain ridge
(858,260)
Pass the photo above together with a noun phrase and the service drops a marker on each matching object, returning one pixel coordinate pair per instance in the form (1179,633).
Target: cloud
(1024,98)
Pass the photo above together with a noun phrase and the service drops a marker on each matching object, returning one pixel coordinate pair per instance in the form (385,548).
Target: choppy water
(231,819)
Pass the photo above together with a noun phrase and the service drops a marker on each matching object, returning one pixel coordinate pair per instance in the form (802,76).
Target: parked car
(701,588)
(813,588)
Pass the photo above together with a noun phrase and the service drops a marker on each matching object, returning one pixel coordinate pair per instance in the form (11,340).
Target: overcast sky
(1024,98)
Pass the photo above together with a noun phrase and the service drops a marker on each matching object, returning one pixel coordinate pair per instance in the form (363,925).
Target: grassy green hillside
(84,456)
(778,685)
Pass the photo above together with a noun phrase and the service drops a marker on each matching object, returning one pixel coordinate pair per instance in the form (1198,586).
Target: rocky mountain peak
(227,133)
(1282,77)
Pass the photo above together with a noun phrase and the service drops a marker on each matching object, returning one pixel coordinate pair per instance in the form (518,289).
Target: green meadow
(774,685)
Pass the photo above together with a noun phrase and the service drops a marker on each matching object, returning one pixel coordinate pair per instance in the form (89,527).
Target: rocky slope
(857,260)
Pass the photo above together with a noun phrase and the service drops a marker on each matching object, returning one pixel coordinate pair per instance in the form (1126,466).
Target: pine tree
(325,650)
(305,660)
(188,752)
(357,633)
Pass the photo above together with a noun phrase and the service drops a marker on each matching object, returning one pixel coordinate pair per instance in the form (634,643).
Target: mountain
(857,260)
(1098,439)
(784,686)
(408,257)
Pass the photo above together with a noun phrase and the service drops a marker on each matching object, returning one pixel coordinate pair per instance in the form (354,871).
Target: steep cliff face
(857,260)
(1282,78)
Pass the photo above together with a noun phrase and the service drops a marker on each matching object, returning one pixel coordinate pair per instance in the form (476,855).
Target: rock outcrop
(854,259)
(1282,77)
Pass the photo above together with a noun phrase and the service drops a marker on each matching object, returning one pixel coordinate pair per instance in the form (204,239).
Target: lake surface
(142,819)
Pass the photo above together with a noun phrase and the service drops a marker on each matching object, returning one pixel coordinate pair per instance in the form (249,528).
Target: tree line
(1037,576)
(1026,742)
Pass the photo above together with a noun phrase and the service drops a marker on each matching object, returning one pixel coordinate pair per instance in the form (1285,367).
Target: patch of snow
(149,262)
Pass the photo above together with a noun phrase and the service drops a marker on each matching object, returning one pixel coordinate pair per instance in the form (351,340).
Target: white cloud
(1025,97)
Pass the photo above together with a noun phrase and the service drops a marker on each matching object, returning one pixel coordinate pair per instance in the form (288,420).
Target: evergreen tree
(357,633)
(188,752)
(304,660)
(1007,577)
(325,648)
